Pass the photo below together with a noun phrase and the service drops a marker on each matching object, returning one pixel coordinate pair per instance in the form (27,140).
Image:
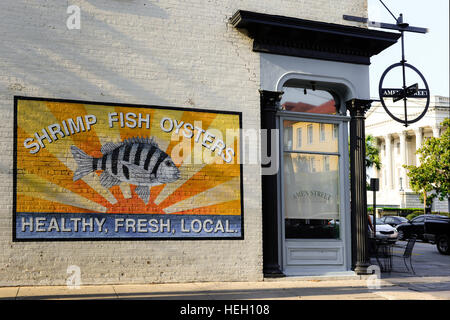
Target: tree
(433,173)
(372,153)
(420,181)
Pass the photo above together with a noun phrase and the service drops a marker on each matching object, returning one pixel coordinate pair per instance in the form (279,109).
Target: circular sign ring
(380,92)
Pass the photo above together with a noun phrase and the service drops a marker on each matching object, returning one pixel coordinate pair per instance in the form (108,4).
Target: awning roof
(312,39)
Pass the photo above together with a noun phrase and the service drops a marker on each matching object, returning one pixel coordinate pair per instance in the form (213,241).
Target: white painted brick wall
(178,53)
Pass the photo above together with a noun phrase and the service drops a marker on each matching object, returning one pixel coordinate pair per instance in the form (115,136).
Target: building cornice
(433,110)
(312,39)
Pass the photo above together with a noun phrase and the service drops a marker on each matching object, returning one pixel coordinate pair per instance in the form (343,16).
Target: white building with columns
(398,145)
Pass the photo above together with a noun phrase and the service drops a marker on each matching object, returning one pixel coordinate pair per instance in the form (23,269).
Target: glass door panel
(311,180)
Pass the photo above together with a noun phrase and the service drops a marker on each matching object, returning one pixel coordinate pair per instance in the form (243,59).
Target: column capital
(436,129)
(358,107)
(418,130)
(270,100)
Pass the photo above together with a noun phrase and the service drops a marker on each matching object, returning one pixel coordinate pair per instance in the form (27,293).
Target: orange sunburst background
(208,185)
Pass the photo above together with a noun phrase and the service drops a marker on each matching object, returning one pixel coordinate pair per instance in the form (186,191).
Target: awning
(312,39)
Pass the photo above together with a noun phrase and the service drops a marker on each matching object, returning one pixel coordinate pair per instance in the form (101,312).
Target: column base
(361,268)
(273,271)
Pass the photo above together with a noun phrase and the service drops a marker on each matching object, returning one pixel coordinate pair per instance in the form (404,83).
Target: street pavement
(432,271)
(352,289)
(431,281)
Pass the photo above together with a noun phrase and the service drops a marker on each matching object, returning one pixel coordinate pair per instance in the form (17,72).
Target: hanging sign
(404,93)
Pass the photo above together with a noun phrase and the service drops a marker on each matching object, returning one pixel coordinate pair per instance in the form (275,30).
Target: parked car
(415,226)
(438,231)
(393,221)
(384,231)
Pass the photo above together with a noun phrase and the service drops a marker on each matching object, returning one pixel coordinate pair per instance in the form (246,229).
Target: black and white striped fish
(137,161)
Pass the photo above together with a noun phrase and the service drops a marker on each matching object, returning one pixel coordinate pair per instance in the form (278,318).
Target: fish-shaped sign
(137,161)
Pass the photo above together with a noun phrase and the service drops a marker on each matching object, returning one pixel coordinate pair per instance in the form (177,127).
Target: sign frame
(128,105)
(410,91)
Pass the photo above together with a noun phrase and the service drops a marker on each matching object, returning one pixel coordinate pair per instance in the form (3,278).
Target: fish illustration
(138,161)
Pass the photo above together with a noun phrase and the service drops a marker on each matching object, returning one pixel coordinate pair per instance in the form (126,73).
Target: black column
(359,218)
(270,104)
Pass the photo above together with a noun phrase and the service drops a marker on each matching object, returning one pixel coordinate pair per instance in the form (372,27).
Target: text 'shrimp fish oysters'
(138,161)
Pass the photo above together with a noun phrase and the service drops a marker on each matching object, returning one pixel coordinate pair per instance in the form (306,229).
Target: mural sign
(95,171)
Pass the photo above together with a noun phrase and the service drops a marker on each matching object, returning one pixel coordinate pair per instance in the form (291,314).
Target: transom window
(312,100)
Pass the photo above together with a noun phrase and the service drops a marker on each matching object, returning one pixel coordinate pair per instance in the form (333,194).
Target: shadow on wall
(134,7)
(50,60)
(109,55)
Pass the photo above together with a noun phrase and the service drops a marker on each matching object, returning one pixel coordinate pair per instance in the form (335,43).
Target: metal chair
(382,252)
(407,254)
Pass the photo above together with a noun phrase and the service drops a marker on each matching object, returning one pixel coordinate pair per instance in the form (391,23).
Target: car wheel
(442,244)
(401,235)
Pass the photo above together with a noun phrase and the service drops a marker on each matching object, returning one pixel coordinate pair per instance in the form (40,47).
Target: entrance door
(314,194)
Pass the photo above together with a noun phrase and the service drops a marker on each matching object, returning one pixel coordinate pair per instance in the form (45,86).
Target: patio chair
(382,252)
(407,254)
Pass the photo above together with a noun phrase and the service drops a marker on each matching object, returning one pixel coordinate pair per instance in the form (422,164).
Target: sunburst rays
(34,186)
(44,179)
(191,167)
(224,192)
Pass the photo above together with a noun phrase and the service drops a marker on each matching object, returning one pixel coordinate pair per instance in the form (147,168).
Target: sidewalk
(271,289)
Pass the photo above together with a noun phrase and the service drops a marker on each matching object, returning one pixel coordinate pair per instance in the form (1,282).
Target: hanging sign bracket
(404,92)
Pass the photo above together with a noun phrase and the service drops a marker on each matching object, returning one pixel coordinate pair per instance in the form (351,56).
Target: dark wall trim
(360,236)
(312,39)
(270,104)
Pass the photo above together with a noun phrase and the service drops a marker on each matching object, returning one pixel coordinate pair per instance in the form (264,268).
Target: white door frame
(335,252)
